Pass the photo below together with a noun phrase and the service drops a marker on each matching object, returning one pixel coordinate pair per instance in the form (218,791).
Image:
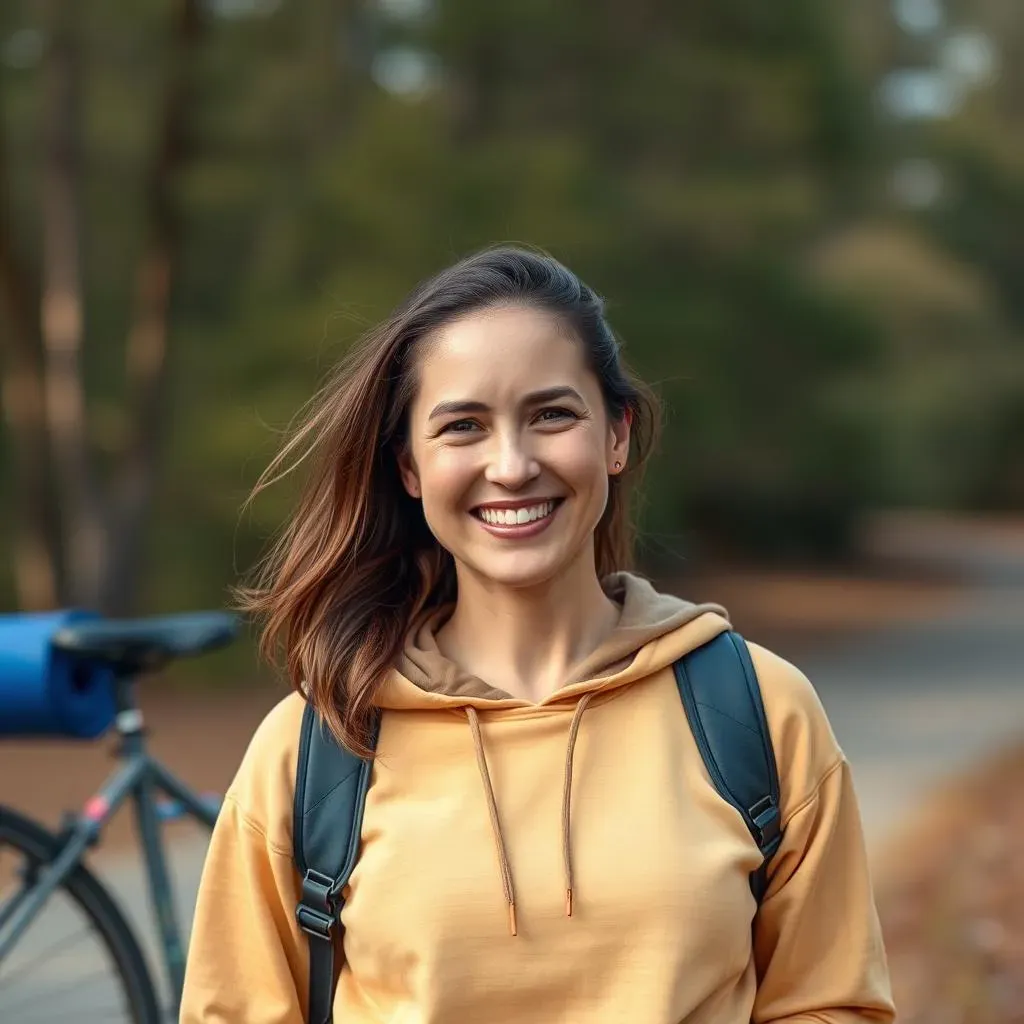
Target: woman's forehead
(518,346)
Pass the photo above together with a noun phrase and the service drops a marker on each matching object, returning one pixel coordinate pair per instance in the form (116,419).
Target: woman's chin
(520,570)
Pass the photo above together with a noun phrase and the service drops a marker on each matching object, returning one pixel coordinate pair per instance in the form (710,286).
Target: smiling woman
(540,839)
(513,473)
(496,382)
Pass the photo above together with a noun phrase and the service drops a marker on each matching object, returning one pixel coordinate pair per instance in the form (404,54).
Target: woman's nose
(511,465)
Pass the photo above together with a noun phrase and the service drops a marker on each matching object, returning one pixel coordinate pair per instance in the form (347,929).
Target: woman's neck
(525,641)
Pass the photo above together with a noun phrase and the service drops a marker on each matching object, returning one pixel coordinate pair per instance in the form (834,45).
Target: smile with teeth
(515,516)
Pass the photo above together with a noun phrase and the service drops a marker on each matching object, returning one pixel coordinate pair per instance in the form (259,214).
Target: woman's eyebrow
(553,395)
(462,407)
(457,408)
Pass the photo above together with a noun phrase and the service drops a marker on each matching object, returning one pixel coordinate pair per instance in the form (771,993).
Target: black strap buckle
(766,819)
(317,912)
(312,922)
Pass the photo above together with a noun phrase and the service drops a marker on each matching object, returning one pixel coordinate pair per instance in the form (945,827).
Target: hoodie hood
(653,631)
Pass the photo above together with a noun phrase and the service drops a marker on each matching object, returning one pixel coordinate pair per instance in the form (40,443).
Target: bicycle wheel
(78,960)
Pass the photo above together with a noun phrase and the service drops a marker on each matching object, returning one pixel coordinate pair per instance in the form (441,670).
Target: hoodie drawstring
(574,728)
(492,808)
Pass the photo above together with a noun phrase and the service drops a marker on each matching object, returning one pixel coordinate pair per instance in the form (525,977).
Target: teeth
(516,516)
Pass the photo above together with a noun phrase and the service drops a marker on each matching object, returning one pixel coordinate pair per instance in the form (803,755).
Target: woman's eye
(554,415)
(459,427)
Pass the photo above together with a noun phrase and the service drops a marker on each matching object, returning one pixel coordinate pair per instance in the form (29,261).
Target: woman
(457,560)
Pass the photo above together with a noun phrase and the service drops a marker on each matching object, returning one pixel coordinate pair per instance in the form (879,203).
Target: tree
(714,167)
(89,552)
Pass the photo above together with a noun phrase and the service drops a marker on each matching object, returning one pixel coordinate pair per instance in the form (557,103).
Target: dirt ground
(201,736)
(951,897)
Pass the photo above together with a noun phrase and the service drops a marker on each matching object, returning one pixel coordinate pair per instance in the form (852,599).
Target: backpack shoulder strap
(722,698)
(330,791)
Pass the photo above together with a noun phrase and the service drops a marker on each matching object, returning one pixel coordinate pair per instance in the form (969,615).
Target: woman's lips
(519,531)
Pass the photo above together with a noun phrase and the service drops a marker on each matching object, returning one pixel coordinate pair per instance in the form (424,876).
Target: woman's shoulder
(806,748)
(264,785)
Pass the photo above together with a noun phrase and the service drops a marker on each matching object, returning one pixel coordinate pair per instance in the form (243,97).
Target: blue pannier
(47,692)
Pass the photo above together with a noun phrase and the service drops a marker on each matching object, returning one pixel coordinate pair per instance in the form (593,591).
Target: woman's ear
(407,471)
(618,442)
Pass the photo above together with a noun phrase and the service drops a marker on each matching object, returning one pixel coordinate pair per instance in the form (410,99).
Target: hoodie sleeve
(817,941)
(247,959)
(247,962)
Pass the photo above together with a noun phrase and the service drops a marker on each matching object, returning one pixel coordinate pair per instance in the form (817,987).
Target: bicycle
(51,873)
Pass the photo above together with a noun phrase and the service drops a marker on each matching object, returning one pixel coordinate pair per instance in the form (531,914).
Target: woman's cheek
(576,458)
(446,475)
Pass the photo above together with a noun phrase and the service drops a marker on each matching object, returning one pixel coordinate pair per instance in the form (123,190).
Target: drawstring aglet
(568,902)
(512,919)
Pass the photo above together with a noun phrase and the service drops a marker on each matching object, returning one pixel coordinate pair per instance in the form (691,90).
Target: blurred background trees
(807,219)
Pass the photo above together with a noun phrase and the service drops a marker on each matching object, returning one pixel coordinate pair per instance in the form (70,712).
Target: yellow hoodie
(561,861)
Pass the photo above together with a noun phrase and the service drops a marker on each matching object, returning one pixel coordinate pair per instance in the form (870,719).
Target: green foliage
(690,160)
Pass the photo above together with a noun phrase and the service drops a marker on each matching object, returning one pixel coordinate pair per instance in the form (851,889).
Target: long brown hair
(355,563)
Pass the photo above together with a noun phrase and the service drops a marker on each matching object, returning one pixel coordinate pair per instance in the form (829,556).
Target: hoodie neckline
(425,678)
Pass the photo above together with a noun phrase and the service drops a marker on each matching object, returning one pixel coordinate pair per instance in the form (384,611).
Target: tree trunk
(147,338)
(83,529)
(34,546)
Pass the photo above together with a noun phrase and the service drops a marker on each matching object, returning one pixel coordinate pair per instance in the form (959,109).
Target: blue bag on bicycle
(45,691)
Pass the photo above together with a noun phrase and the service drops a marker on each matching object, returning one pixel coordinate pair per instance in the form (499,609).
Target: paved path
(914,705)
(909,706)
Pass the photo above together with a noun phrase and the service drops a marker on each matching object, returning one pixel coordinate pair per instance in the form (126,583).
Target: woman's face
(510,445)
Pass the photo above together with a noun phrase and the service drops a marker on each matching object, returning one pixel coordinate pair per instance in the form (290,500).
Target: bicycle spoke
(52,991)
(43,957)
(102,1014)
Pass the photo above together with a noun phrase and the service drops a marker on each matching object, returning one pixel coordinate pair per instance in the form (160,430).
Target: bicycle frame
(140,779)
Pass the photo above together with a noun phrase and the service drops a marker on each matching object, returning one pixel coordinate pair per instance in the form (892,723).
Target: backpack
(722,700)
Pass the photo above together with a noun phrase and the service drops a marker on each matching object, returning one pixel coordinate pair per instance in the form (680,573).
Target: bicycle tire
(83,888)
